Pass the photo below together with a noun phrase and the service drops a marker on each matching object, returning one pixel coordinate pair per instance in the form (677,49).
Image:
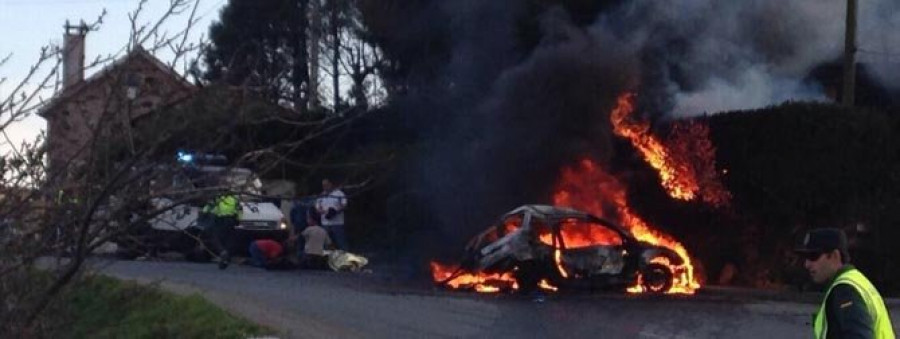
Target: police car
(179,227)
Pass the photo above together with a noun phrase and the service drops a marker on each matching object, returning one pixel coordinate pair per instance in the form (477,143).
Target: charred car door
(590,249)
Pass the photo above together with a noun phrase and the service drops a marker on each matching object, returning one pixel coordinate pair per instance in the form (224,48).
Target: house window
(132,85)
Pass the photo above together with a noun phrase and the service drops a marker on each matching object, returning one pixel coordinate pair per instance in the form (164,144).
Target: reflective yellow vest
(226,206)
(881,320)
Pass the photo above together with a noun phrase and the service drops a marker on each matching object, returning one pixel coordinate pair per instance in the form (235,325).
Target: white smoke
(755,87)
(726,55)
(879,45)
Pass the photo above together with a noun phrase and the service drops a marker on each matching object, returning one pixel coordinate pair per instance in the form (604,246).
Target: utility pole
(850,55)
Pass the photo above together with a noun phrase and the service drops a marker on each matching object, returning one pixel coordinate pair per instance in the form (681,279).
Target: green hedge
(798,166)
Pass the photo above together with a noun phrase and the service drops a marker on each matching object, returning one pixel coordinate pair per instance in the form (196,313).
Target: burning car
(561,248)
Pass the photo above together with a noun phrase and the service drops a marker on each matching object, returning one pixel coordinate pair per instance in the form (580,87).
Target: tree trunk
(336,53)
(300,72)
(360,72)
(315,34)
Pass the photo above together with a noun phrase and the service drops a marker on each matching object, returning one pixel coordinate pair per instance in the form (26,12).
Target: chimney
(73,54)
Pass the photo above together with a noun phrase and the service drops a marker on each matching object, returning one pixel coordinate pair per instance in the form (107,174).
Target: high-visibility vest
(881,320)
(226,206)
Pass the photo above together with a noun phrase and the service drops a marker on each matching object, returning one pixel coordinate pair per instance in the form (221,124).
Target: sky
(27,25)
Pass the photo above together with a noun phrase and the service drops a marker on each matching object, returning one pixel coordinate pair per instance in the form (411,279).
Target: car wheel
(657,278)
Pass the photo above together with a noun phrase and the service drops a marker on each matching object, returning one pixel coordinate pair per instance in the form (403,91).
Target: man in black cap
(852,307)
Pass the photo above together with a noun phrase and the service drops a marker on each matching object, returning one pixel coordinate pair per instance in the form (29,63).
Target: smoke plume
(506,115)
(703,56)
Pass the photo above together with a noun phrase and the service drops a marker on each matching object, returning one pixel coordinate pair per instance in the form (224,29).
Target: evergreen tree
(262,45)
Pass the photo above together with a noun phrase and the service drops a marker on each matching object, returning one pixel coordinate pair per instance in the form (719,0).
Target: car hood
(260,211)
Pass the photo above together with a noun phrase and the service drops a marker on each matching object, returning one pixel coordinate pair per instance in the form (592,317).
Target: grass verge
(103,307)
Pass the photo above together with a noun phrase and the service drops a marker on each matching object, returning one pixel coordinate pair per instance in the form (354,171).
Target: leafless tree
(54,218)
(350,58)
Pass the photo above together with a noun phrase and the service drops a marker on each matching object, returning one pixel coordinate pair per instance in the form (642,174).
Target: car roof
(550,212)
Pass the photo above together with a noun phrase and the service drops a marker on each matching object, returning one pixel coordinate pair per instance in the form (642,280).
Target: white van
(177,229)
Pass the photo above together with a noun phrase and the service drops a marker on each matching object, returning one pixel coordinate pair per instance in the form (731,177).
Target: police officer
(852,307)
(225,211)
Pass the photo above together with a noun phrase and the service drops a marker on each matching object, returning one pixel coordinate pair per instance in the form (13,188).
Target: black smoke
(505,93)
(539,115)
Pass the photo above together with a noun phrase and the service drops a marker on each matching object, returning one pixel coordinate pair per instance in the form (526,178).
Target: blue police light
(185,157)
(199,158)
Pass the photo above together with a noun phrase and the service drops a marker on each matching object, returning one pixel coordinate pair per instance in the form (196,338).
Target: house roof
(135,54)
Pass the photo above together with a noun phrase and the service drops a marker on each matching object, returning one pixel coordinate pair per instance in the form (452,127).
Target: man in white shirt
(312,253)
(330,206)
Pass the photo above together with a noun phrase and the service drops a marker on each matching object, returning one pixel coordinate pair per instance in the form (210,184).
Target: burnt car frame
(526,240)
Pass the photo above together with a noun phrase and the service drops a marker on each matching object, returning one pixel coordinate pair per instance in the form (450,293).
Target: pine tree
(262,45)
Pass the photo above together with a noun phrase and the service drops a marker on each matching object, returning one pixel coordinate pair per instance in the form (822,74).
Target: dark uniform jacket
(846,312)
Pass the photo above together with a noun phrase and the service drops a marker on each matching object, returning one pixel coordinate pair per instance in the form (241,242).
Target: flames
(450,276)
(557,260)
(588,188)
(679,183)
(481,282)
(685,163)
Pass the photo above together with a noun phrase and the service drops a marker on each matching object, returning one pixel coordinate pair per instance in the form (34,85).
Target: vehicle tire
(657,278)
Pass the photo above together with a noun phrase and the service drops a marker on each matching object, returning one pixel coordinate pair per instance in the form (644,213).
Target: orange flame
(576,237)
(678,181)
(544,284)
(557,258)
(686,161)
(689,143)
(686,169)
(481,282)
(590,189)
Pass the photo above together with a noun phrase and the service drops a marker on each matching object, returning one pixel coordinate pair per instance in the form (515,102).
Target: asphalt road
(345,305)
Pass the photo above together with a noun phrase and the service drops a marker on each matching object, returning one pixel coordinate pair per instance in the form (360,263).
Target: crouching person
(316,239)
(266,253)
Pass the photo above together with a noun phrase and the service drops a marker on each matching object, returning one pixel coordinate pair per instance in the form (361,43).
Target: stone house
(106,103)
